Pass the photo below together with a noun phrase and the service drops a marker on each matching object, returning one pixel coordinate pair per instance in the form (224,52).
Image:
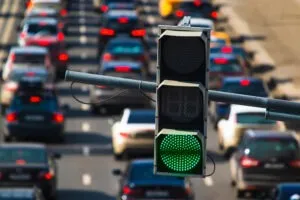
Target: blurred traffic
(96,142)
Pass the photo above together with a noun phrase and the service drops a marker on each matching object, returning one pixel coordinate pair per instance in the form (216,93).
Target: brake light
(124,134)
(63,57)
(11,117)
(295,163)
(11,86)
(104,8)
(20,162)
(179,13)
(107,57)
(30,74)
(220,61)
(43,43)
(107,32)
(63,12)
(123,20)
(214,14)
(22,35)
(188,190)
(60,25)
(247,162)
(46,175)
(13,57)
(58,118)
(226,50)
(122,69)
(42,23)
(130,191)
(28,4)
(138,33)
(43,14)
(245,83)
(35,99)
(197,3)
(60,36)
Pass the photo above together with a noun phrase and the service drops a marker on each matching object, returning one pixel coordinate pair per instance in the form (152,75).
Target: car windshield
(125,48)
(263,148)
(45,103)
(228,68)
(144,172)
(141,117)
(253,118)
(30,156)
(30,58)
(42,29)
(254,88)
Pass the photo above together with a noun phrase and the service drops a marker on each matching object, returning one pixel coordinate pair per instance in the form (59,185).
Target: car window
(141,117)
(42,29)
(253,118)
(30,58)
(262,148)
(254,88)
(30,156)
(24,102)
(125,48)
(228,68)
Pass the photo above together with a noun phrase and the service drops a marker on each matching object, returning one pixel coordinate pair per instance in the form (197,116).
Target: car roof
(37,20)
(29,49)
(230,56)
(138,111)
(46,1)
(245,109)
(112,64)
(42,10)
(121,13)
(23,145)
(124,39)
(270,134)
(234,79)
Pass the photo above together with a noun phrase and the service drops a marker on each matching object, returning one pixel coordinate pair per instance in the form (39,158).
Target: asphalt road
(85,168)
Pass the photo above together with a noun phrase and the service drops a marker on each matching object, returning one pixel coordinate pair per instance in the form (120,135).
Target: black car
(28,165)
(263,160)
(286,191)
(34,113)
(33,193)
(116,22)
(139,182)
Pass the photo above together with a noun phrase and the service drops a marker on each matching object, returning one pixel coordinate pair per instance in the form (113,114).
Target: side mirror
(116,172)
(56,156)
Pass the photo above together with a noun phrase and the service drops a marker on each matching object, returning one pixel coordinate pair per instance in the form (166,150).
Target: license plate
(20,177)
(157,194)
(274,166)
(34,118)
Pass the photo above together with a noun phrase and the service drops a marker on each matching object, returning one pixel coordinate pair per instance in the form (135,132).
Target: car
(34,113)
(28,57)
(134,133)
(239,85)
(138,181)
(131,98)
(10,86)
(231,130)
(222,65)
(59,5)
(46,32)
(214,41)
(263,160)
(196,8)
(120,22)
(289,191)
(103,6)
(218,36)
(202,22)
(21,193)
(29,164)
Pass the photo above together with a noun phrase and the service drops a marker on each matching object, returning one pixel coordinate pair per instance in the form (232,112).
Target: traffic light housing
(181,106)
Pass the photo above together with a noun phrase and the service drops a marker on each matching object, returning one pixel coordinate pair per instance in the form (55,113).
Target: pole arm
(275,105)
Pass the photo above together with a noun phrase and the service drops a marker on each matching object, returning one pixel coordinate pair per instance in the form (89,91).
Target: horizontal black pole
(274,105)
(281,116)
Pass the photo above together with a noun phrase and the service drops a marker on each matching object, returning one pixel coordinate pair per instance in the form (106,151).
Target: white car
(231,130)
(134,133)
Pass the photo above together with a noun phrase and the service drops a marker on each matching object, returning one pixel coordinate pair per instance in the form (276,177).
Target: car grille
(145,134)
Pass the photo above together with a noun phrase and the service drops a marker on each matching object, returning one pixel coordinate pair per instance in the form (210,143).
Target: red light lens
(107,32)
(22,35)
(179,13)
(197,3)
(124,134)
(43,23)
(107,57)
(127,190)
(123,20)
(46,175)
(104,8)
(60,36)
(122,69)
(138,33)
(20,162)
(63,57)
(245,82)
(214,14)
(58,118)
(220,61)
(35,99)
(13,57)
(30,74)
(247,162)
(11,117)
(43,43)
(63,12)
(226,50)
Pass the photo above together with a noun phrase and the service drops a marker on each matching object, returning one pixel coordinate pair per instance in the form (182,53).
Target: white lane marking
(82,29)
(85,107)
(110,121)
(82,20)
(83,55)
(151,20)
(83,39)
(86,179)
(86,150)
(208,181)
(85,127)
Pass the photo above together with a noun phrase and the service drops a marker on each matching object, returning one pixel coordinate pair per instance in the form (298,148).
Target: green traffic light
(180,153)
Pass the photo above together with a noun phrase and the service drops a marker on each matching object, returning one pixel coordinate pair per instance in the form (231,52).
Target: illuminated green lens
(180,152)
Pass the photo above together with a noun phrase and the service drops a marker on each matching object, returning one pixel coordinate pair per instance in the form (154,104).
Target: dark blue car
(286,191)
(139,182)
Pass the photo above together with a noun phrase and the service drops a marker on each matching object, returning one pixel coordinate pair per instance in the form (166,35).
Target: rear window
(254,88)
(142,117)
(262,148)
(126,27)
(233,67)
(46,103)
(30,156)
(125,48)
(42,29)
(253,118)
(18,76)
(30,58)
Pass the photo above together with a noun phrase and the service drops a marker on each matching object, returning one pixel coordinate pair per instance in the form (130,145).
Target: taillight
(11,117)
(23,35)
(104,8)
(11,86)
(179,13)
(123,20)
(220,61)
(58,117)
(247,162)
(226,50)
(20,162)
(245,82)
(295,163)
(44,43)
(107,57)
(214,14)
(35,99)
(131,191)
(107,32)
(122,69)
(30,74)
(138,33)
(46,176)
(13,57)
(197,3)
(63,57)
(60,36)
(63,12)
(124,134)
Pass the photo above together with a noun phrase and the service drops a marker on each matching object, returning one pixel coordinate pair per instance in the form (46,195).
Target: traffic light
(182,100)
